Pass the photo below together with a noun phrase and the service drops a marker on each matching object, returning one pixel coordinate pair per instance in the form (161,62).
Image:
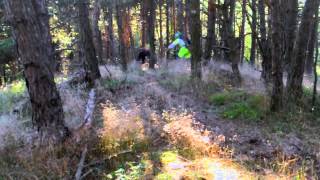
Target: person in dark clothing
(143,55)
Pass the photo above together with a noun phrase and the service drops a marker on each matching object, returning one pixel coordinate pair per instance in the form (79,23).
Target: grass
(10,95)
(240,105)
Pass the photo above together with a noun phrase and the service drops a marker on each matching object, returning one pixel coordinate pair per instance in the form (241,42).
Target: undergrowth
(10,95)
(240,105)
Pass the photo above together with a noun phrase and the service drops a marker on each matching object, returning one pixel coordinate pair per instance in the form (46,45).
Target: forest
(159,89)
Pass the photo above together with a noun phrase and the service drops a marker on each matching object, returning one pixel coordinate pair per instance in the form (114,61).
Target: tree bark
(295,75)
(28,16)
(90,61)
(180,17)
(311,45)
(168,26)
(264,44)
(161,29)
(151,16)
(211,40)
(110,51)
(96,33)
(253,34)
(315,64)
(124,36)
(195,28)
(243,30)
(290,25)
(277,59)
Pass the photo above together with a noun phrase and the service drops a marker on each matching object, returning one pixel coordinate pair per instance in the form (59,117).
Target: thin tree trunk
(290,25)
(243,30)
(315,73)
(90,61)
(311,46)
(47,112)
(124,37)
(180,18)
(151,16)
(96,33)
(161,29)
(211,30)
(110,33)
(264,44)
(253,35)
(277,47)
(195,29)
(168,26)
(295,75)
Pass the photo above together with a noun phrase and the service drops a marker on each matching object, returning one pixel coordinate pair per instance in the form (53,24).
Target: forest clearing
(159,89)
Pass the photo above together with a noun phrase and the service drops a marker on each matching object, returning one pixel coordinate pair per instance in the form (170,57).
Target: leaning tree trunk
(28,16)
(88,53)
(195,30)
(211,30)
(295,75)
(277,59)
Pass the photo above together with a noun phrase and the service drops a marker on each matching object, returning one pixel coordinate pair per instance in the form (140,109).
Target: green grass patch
(10,95)
(240,105)
(168,157)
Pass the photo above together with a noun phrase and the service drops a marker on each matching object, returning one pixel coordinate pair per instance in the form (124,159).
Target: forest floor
(160,125)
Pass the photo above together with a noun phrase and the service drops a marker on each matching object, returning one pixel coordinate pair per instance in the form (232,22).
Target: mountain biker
(184,52)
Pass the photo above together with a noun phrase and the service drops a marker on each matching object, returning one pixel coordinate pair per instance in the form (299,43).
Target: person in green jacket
(184,52)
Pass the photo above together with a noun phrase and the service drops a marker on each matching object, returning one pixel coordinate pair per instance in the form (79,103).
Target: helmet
(178,35)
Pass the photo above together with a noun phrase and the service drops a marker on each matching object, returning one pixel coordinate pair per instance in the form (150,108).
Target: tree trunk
(151,16)
(211,40)
(264,44)
(28,16)
(168,26)
(243,30)
(253,34)
(90,61)
(290,25)
(277,48)
(96,33)
(109,33)
(315,64)
(160,28)
(295,75)
(311,46)
(124,36)
(180,17)
(195,29)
